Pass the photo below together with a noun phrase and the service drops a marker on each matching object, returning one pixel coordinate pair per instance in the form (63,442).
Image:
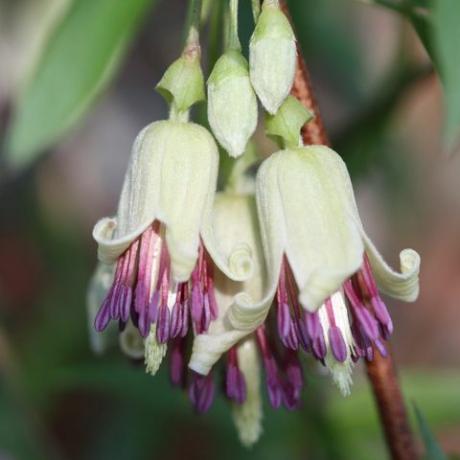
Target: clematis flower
(163,275)
(323,274)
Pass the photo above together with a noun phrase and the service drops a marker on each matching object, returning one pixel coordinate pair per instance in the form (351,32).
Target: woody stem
(381,371)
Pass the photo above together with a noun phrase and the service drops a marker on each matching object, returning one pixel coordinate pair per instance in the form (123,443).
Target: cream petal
(223,236)
(139,196)
(402,285)
(234,221)
(110,248)
(187,186)
(307,210)
(171,177)
(208,348)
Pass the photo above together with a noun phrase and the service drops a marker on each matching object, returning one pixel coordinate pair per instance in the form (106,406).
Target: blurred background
(382,104)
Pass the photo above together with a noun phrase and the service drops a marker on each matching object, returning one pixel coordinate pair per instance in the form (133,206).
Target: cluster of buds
(258,274)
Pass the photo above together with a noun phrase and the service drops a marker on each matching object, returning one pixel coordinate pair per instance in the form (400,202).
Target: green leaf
(80,58)
(433,451)
(446,15)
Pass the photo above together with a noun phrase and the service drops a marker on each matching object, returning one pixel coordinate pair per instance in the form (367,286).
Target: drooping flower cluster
(258,273)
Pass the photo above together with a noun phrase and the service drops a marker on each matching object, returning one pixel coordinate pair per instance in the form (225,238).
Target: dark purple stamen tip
(292,388)
(201,392)
(337,343)
(177,363)
(102,318)
(163,324)
(235,384)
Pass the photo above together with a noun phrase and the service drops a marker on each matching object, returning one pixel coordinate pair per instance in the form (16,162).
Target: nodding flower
(323,277)
(163,255)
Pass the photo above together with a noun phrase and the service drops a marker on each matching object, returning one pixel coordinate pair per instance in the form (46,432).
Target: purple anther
(337,344)
(235,383)
(201,391)
(274,388)
(163,323)
(293,385)
(177,362)
(102,318)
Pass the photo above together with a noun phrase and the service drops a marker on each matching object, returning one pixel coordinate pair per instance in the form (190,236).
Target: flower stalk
(381,370)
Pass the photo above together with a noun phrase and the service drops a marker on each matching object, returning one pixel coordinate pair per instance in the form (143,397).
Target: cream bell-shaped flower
(272,56)
(162,269)
(322,269)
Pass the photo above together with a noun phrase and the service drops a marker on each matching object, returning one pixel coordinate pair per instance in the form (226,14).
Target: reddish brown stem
(387,392)
(381,371)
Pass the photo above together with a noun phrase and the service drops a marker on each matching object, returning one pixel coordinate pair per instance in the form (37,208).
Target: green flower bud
(272,57)
(182,84)
(232,103)
(284,127)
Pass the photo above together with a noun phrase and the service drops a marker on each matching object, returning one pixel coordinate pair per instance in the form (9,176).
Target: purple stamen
(178,314)
(163,324)
(177,362)
(292,388)
(360,312)
(201,391)
(337,343)
(316,335)
(103,317)
(336,340)
(275,390)
(235,383)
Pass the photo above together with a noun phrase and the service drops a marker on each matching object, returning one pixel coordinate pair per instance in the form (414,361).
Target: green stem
(216,24)
(193,23)
(233,40)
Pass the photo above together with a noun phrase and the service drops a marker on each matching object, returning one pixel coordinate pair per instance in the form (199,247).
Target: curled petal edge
(109,248)
(402,285)
(239,265)
(243,318)
(207,349)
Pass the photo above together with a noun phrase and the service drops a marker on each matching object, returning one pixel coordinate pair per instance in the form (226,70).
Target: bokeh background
(382,105)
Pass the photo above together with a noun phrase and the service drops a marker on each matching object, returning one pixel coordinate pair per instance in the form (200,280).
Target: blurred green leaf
(446,30)
(78,61)
(433,451)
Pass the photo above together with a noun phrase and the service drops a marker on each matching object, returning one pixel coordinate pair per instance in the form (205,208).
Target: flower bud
(272,57)
(284,127)
(182,84)
(232,103)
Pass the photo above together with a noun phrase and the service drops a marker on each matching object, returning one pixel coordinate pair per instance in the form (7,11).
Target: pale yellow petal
(403,285)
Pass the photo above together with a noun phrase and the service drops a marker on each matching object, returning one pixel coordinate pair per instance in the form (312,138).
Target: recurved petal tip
(403,285)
